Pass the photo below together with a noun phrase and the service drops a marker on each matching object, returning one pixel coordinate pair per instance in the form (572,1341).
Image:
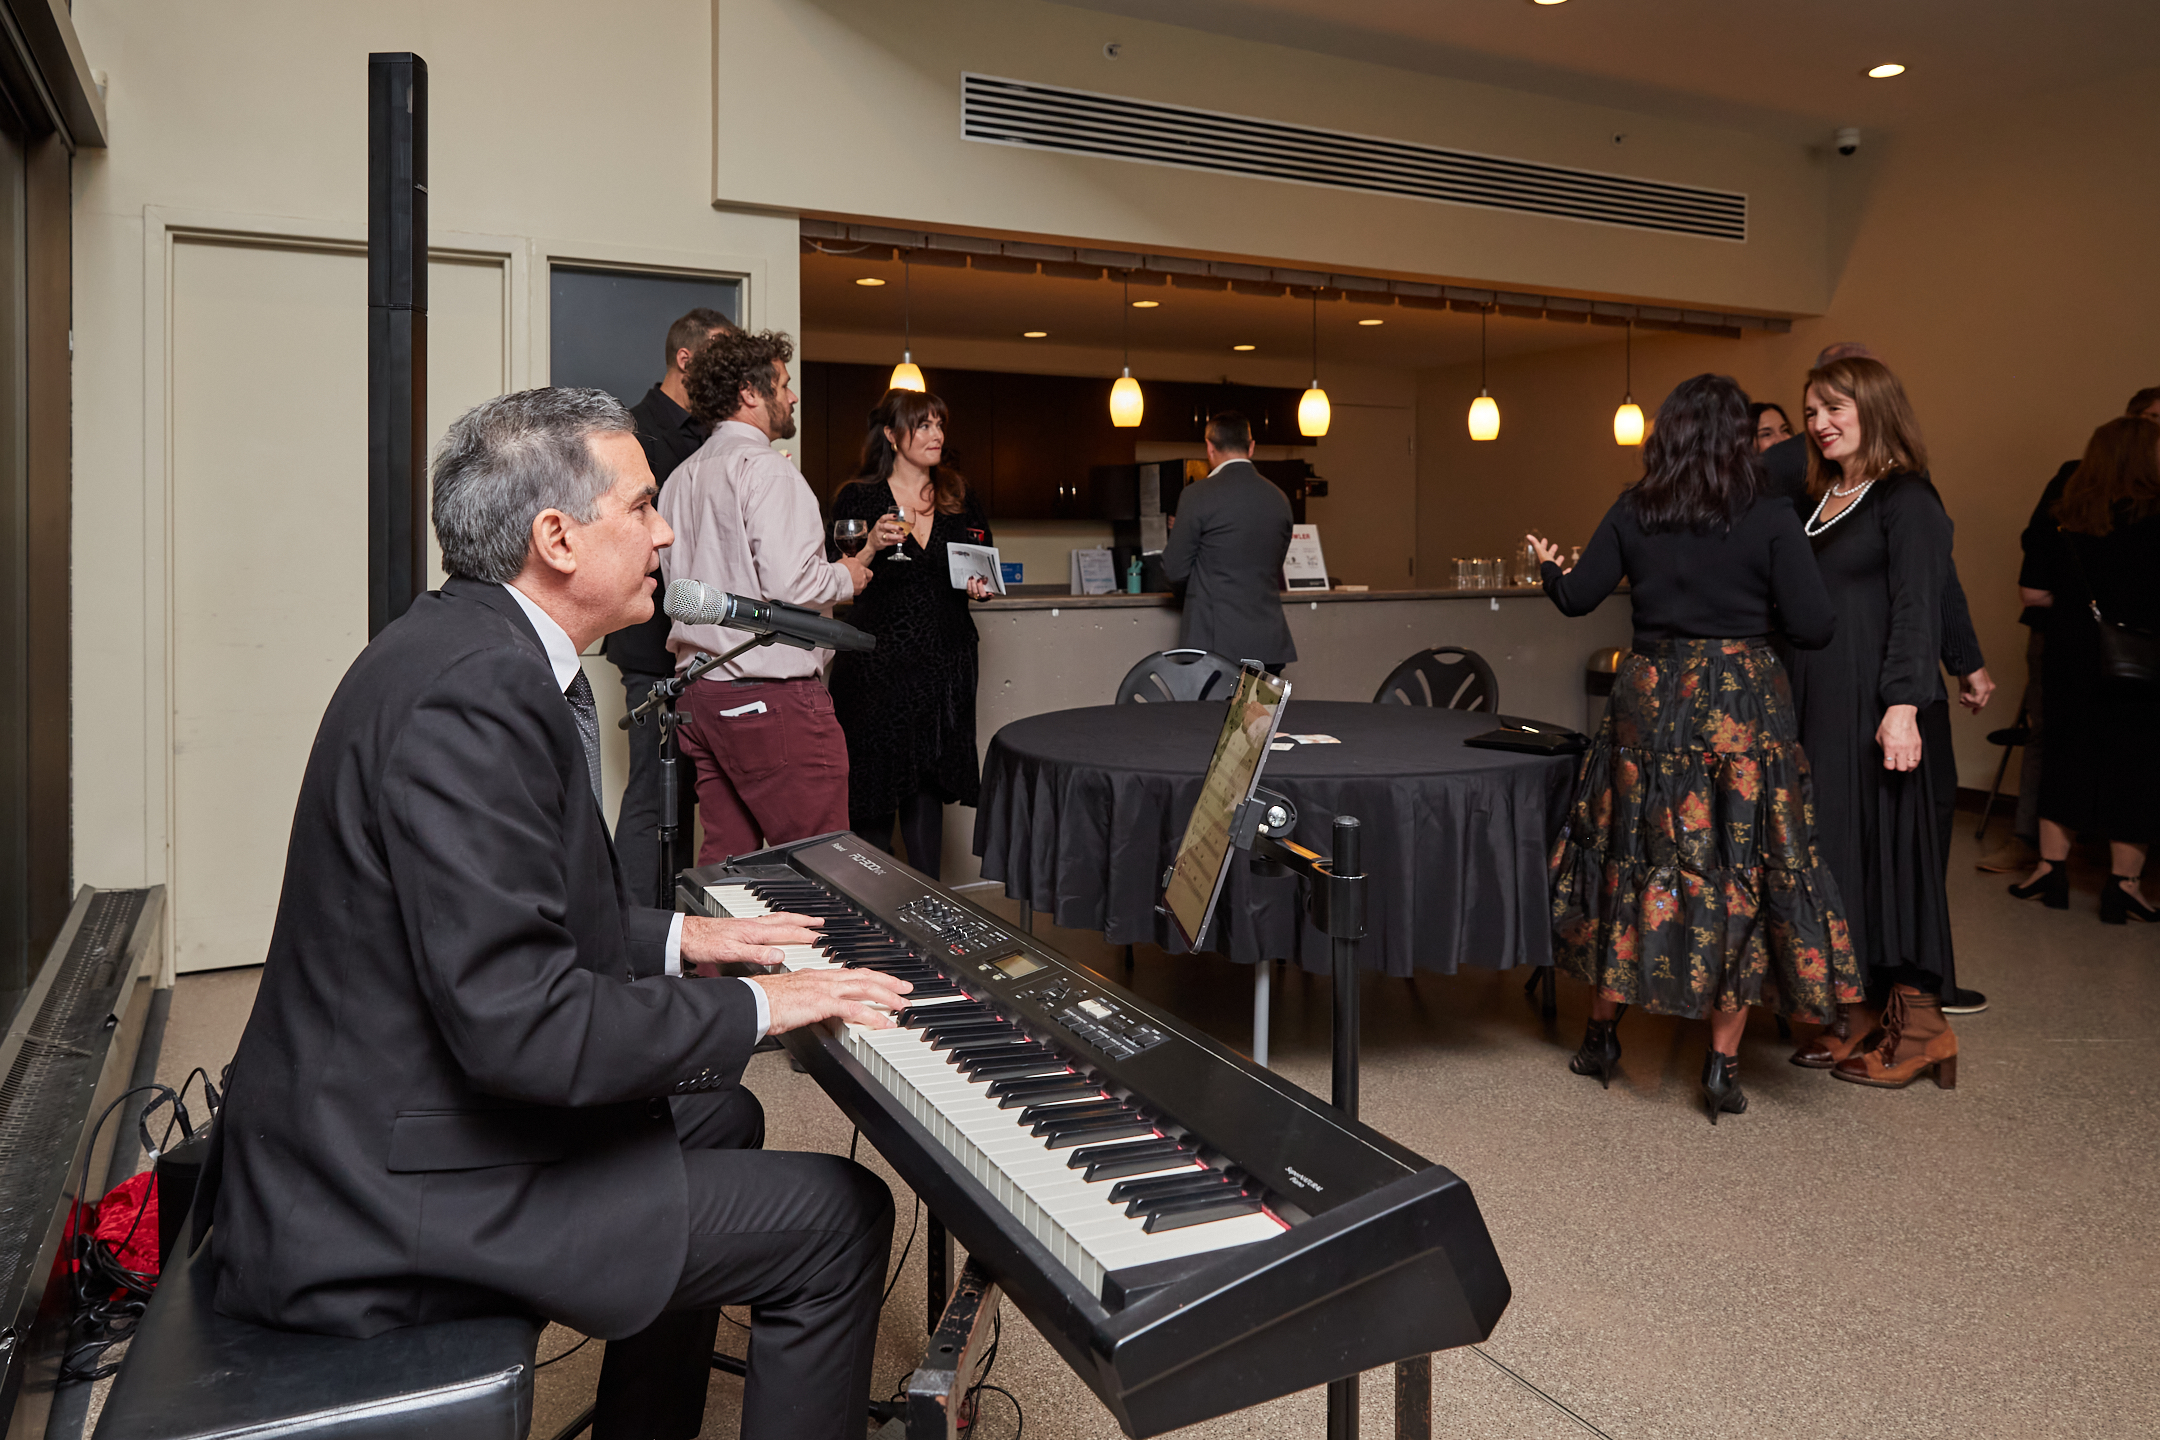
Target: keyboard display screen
(1017,965)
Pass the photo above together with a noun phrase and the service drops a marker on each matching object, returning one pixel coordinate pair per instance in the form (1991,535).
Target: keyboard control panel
(1093,1016)
(954,931)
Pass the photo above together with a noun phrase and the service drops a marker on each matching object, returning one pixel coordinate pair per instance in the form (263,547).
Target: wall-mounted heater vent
(1113,127)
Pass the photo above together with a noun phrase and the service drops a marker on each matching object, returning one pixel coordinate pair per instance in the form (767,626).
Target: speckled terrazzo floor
(1838,1262)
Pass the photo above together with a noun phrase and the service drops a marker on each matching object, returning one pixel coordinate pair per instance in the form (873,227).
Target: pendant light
(1126,402)
(1484,411)
(1313,410)
(906,375)
(1627,426)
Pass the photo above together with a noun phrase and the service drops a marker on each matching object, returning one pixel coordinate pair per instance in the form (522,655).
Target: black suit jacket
(1227,549)
(1786,463)
(446,1102)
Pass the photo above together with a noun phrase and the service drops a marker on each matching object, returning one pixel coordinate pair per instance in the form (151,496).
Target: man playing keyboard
(478,1079)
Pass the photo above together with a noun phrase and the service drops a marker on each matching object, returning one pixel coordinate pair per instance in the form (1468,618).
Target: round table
(1082,811)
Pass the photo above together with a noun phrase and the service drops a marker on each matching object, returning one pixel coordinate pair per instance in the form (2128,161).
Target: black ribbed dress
(1885,834)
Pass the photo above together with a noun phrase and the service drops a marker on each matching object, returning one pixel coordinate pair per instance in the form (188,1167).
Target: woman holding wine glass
(908,706)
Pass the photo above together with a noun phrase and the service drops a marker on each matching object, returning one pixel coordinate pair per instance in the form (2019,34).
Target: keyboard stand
(937,1392)
(1336,896)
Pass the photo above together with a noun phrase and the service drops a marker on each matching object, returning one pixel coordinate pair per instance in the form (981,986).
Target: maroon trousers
(771,763)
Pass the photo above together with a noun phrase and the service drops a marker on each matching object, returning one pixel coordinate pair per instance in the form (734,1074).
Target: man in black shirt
(669,435)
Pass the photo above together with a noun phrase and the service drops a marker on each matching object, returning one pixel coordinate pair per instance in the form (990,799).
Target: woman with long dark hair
(1687,880)
(1875,719)
(2101,770)
(908,706)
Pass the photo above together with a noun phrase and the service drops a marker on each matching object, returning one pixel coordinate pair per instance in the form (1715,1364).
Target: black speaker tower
(397,335)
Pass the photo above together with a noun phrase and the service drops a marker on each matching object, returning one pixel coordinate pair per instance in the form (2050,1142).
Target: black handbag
(2129,655)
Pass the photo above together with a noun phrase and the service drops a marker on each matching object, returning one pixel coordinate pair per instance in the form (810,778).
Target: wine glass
(898,554)
(851,535)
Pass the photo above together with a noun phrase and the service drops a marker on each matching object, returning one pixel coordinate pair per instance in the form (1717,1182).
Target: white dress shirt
(563,659)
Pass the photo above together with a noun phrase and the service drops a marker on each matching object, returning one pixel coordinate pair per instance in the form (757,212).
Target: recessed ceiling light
(1034,334)
(1372,322)
(869,280)
(1146,304)
(1243,347)
(1884,72)
(1548,2)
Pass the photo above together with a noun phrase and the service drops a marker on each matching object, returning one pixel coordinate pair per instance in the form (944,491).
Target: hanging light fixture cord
(1125,279)
(1316,339)
(1484,382)
(907,308)
(1629,393)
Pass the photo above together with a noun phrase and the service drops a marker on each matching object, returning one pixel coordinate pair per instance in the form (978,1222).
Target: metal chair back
(1446,677)
(1178,675)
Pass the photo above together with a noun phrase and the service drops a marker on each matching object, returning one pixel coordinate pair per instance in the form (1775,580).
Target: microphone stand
(660,704)
(1336,899)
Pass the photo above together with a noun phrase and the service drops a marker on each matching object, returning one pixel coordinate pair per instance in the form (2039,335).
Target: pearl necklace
(1812,529)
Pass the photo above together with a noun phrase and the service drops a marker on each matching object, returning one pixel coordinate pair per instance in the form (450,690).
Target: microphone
(693,602)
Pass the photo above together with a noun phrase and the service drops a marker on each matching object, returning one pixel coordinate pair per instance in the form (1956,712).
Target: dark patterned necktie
(580,696)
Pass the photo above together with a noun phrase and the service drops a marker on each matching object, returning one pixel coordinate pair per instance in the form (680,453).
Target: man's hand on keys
(860,997)
(707,943)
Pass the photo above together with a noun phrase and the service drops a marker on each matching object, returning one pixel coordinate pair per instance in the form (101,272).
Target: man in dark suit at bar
(453,1094)
(669,434)
(1227,544)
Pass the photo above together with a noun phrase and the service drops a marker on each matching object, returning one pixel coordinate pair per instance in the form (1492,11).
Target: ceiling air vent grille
(1113,127)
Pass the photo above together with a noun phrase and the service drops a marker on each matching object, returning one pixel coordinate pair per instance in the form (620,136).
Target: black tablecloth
(1082,810)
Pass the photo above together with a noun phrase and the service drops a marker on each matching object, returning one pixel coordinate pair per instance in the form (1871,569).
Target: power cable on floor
(1480,1352)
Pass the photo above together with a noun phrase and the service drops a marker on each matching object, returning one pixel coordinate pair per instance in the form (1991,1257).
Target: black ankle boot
(1721,1085)
(1600,1052)
(2118,906)
(2052,889)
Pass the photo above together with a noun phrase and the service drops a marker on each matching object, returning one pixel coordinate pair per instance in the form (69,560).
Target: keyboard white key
(1072,1216)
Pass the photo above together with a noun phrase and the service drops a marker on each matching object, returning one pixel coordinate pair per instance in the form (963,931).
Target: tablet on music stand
(1195,880)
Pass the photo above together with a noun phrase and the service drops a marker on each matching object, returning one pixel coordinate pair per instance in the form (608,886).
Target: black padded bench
(193,1374)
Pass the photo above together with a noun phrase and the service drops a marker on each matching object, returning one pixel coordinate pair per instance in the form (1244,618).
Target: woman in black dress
(1875,720)
(908,706)
(2101,770)
(1688,879)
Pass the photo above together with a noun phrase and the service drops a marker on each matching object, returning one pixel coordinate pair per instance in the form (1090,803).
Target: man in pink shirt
(771,762)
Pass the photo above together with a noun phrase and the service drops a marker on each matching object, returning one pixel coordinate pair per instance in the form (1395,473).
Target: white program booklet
(1304,568)
(972,561)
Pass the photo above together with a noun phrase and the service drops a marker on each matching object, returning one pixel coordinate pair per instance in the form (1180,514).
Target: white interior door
(269,543)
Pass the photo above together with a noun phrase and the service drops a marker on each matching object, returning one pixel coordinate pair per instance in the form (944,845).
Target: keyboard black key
(1015,1067)
(1150,1156)
(917,1017)
(1026,1092)
(1176,1191)
(1089,1117)
(985,1046)
(1071,1110)
(1109,1130)
(1186,1179)
(1200,1211)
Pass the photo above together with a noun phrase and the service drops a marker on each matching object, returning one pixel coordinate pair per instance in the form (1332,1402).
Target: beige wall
(559,132)
(874,91)
(2002,263)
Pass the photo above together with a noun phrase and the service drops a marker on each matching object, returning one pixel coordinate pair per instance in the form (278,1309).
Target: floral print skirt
(1687,878)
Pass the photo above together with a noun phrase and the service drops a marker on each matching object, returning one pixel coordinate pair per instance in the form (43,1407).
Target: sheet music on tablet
(1205,854)
(967,562)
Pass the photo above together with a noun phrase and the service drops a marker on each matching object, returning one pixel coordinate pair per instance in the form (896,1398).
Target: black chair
(1178,675)
(192,1372)
(2010,738)
(1446,677)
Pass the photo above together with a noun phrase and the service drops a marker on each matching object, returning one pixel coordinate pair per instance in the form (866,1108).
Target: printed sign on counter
(1304,568)
(1093,572)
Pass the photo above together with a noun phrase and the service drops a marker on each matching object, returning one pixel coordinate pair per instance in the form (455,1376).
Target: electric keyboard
(1193,1233)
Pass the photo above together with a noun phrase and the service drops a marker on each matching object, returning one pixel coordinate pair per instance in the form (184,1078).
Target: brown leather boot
(1915,1040)
(1856,1028)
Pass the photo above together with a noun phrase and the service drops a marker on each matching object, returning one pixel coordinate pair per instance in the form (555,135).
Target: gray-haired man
(452,1097)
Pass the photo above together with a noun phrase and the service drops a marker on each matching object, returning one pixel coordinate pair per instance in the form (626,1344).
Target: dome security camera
(1847,140)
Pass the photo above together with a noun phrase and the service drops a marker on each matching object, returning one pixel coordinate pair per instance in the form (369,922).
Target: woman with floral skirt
(1687,880)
